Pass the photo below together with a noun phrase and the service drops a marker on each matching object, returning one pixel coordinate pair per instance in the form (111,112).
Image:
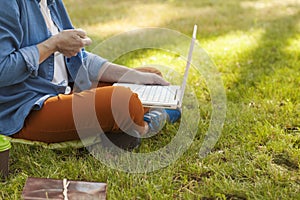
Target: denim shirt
(24,83)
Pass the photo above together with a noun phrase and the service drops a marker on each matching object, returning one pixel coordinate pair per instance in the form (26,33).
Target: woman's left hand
(150,79)
(113,73)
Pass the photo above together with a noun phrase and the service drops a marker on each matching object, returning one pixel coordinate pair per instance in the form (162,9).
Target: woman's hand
(150,79)
(67,42)
(70,42)
(113,73)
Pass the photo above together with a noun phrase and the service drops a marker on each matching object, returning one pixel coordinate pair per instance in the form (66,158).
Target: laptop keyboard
(156,94)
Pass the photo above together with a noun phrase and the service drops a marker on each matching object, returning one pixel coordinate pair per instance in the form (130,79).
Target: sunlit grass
(234,44)
(276,8)
(255,46)
(137,15)
(293,47)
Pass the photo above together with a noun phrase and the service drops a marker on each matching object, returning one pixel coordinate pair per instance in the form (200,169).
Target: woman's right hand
(70,42)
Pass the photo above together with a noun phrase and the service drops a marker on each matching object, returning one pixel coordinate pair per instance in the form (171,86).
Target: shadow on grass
(270,54)
(215,19)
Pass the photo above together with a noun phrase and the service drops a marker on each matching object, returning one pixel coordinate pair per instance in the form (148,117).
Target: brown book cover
(53,189)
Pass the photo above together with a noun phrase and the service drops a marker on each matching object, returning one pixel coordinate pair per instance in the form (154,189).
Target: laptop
(159,96)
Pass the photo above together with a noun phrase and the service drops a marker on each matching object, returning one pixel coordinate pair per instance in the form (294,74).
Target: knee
(136,111)
(128,103)
(136,108)
(128,109)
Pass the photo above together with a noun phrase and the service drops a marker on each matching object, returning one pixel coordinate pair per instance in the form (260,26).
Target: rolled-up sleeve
(30,55)
(16,63)
(94,64)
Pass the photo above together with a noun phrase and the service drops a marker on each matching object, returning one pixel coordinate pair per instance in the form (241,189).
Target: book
(54,189)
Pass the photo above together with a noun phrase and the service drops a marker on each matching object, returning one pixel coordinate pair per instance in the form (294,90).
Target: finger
(164,82)
(87,41)
(81,33)
(161,81)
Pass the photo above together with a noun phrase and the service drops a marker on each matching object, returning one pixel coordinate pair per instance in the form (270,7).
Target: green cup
(4,156)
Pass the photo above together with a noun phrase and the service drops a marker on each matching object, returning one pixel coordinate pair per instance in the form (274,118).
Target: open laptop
(170,96)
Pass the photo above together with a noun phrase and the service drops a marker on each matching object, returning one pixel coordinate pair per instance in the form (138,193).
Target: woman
(41,55)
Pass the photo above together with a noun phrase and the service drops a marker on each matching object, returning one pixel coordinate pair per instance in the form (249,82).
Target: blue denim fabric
(24,83)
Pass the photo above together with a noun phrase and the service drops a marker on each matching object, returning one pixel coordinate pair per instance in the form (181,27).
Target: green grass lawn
(255,45)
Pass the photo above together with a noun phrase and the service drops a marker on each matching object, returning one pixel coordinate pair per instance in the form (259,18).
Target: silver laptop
(170,96)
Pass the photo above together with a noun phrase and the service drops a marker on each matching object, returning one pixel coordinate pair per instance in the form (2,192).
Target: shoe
(121,140)
(173,115)
(156,119)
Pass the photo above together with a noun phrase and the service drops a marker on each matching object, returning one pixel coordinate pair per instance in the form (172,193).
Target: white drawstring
(65,192)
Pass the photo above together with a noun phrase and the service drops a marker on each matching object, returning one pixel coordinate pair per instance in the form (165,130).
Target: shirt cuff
(31,56)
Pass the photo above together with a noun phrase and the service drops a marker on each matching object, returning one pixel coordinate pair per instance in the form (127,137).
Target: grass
(255,45)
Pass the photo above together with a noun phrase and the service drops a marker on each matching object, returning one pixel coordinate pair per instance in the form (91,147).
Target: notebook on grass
(170,96)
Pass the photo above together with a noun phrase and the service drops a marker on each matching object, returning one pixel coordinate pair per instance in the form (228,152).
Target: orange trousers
(115,109)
